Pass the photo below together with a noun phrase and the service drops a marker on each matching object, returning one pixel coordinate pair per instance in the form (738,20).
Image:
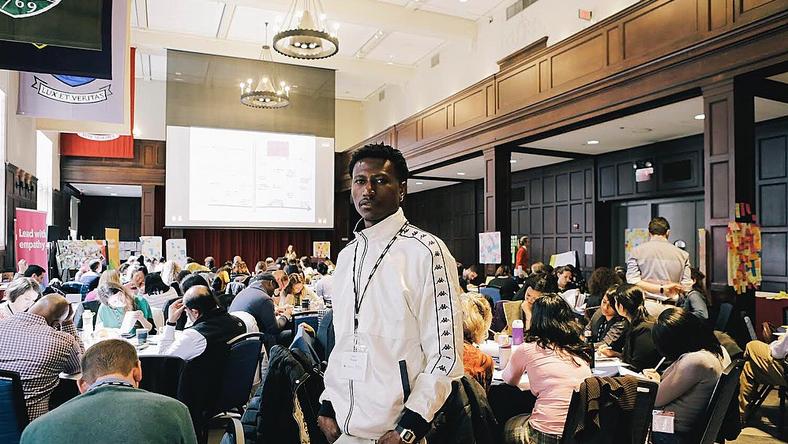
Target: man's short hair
(322,268)
(94,265)
(111,356)
(381,151)
(658,226)
(191,281)
(34,270)
(201,298)
(265,276)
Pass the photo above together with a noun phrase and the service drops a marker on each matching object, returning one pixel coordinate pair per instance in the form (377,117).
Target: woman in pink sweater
(556,360)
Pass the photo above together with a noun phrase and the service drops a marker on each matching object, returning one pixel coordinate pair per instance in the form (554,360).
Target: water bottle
(590,344)
(87,323)
(517,332)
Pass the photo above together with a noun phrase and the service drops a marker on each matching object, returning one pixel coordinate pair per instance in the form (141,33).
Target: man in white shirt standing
(397,318)
(763,365)
(658,267)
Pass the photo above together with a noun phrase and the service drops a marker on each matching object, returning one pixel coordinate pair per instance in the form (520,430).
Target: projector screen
(225,178)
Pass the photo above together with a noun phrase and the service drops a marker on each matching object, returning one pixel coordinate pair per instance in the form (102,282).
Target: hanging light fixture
(267,94)
(304,34)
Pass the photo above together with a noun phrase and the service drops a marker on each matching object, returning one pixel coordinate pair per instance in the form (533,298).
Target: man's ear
(403,190)
(136,374)
(83,385)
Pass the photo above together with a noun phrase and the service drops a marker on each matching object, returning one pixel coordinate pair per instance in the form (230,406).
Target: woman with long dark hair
(698,360)
(639,349)
(696,301)
(557,361)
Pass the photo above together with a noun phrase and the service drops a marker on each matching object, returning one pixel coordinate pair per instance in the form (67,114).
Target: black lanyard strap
(360,298)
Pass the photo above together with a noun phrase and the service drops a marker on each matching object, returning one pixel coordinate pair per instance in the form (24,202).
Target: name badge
(354,366)
(662,421)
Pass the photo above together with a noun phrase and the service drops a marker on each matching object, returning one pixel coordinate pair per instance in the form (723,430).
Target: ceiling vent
(435,60)
(382,95)
(518,7)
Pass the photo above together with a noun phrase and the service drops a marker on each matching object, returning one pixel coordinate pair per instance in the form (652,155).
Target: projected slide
(254,179)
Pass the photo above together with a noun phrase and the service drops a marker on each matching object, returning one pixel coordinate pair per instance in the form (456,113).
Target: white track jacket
(410,312)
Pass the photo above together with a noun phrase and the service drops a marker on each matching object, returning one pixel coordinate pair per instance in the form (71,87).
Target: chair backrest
(239,371)
(161,374)
(325,335)
(785,315)
(13,414)
(638,422)
(727,387)
(723,316)
(492,293)
(249,321)
(89,305)
(750,328)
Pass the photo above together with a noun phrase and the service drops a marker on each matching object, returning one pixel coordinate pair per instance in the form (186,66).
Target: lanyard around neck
(360,298)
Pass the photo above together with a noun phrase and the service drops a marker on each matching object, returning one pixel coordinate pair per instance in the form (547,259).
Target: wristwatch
(661,289)
(406,435)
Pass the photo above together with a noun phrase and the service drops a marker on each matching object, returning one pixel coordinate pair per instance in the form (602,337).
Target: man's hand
(652,374)
(329,427)
(391,437)
(175,311)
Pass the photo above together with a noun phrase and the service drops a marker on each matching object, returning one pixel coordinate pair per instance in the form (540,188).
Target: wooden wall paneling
(615,46)
(15,197)
(490,96)
(716,14)
(517,87)
(729,131)
(146,168)
(435,123)
(470,108)
(407,134)
(673,21)
(771,153)
(748,10)
(148,212)
(497,196)
(579,60)
(98,212)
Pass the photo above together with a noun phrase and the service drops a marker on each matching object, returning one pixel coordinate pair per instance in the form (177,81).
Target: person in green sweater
(117,304)
(112,409)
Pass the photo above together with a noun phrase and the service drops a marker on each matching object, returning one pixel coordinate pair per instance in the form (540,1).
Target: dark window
(677,171)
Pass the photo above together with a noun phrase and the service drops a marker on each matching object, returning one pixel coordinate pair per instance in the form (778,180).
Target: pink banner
(30,237)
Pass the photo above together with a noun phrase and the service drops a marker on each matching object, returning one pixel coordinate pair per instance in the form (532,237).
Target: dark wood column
(729,160)
(148,210)
(497,197)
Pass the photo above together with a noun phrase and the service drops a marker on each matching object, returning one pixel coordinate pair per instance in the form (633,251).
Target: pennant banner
(70,23)
(69,97)
(102,145)
(30,237)
(62,60)
(112,235)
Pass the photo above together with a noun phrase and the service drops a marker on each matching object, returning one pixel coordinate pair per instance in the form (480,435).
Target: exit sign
(584,14)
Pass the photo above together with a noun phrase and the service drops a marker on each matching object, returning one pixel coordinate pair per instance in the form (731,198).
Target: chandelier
(304,34)
(267,94)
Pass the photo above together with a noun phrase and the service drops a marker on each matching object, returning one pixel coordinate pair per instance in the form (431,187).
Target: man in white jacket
(397,318)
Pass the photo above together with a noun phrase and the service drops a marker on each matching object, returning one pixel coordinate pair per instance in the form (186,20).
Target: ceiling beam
(771,89)
(547,152)
(141,9)
(227,19)
(441,179)
(157,42)
(381,15)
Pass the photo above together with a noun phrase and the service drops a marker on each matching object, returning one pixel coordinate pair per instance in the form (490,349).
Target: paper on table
(128,322)
(623,371)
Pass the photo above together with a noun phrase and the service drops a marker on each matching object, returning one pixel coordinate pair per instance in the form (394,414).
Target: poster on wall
(321,249)
(150,246)
(73,253)
(112,235)
(176,251)
(490,248)
(30,237)
(632,238)
(561,259)
(744,256)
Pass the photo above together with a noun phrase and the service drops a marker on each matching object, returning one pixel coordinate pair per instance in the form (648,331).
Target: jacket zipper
(350,382)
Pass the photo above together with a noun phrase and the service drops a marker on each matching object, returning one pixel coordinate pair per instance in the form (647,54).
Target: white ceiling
(655,125)
(474,168)
(92,189)
(408,31)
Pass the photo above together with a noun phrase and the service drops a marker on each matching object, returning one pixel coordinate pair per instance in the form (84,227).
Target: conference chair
(723,316)
(325,335)
(761,391)
(13,414)
(723,407)
(492,294)
(236,386)
(634,425)
(89,305)
(161,374)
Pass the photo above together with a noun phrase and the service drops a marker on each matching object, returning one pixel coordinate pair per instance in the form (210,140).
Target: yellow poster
(112,236)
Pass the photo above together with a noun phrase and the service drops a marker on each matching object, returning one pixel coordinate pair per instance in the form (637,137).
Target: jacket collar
(217,312)
(383,230)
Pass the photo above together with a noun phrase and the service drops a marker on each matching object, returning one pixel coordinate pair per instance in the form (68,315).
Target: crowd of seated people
(555,354)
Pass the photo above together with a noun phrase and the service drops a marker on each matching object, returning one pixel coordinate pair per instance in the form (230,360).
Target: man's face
(376,191)
(268,286)
(39,278)
(472,275)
